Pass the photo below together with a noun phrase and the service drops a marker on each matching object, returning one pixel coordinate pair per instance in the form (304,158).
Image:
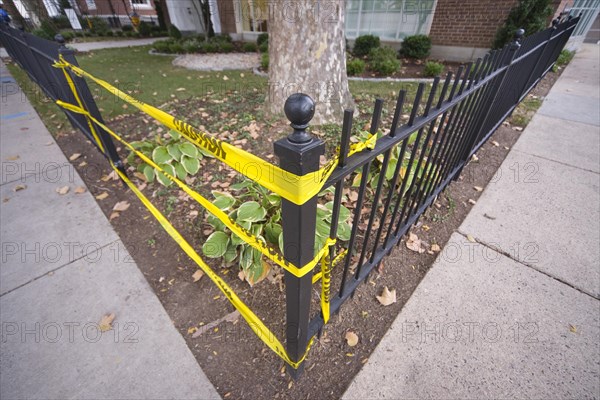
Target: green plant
(175,155)
(264,48)
(383,60)
(43,34)
(208,47)
(264,61)
(433,68)
(416,46)
(225,47)
(109,34)
(127,28)
(162,46)
(191,46)
(145,29)
(259,212)
(176,48)
(250,47)
(355,66)
(563,59)
(98,25)
(364,44)
(262,38)
(174,32)
(67,35)
(61,22)
(531,15)
(119,33)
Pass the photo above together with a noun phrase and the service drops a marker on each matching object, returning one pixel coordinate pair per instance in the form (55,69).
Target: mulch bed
(233,358)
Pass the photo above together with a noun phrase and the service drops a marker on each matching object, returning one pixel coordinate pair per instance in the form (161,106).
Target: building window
(91,4)
(254,15)
(390,20)
(141,4)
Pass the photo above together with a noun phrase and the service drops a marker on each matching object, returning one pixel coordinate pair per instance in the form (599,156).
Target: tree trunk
(307,52)
(11,9)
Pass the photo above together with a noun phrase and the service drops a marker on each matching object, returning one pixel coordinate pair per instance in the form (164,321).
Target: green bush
(264,61)
(208,47)
(364,44)
(43,34)
(145,29)
(563,59)
(191,46)
(531,15)
(109,34)
(174,32)
(355,66)
(221,39)
(119,33)
(433,68)
(264,48)
(61,22)
(127,28)
(262,38)
(225,47)
(250,47)
(383,60)
(176,48)
(98,25)
(162,46)
(67,35)
(79,34)
(416,46)
(48,27)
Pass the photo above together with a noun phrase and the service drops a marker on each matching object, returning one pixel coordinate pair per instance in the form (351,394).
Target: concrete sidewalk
(516,314)
(107,44)
(63,268)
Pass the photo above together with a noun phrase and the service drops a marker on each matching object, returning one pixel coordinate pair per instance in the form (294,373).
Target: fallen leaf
(142,186)
(573,328)
(478,188)
(113,216)
(495,143)
(436,248)
(192,330)
(414,243)
(197,275)
(181,89)
(231,317)
(517,128)
(474,158)
(387,297)
(74,156)
(19,187)
(121,206)
(13,158)
(106,322)
(225,78)
(79,190)
(471,239)
(62,190)
(471,201)
(351,338)
(82,164)
(102,196)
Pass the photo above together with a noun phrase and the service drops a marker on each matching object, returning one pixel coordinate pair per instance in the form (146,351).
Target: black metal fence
(398,179)
(420,158)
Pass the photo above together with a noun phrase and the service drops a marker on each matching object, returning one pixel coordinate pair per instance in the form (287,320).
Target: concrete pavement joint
(508,255)
(98,249)
(558,162)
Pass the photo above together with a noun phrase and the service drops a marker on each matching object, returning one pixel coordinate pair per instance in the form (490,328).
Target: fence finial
(299,109)
(516,43)
(59,39)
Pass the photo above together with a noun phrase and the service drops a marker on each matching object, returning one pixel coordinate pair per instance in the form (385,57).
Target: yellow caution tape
(325,276)
(264,248)
(295,188)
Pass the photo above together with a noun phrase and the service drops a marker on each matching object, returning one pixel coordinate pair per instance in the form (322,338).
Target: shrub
(109,34)
(79,34)
(176,48)
(221,39)
(127,28)
(48,27)
(208,47)
(264,61)
(416,46)
(364,44)
(262,38)
(174,32)
(355,67)
(98,25)
(225,47)
(129,34)
(43,34)
(61,22)
(433,68)
(250,47)
(191,46)
(383,60)
(162,46)
(67,35)
(145,29)
(531,15)
(264,48)
(119,33)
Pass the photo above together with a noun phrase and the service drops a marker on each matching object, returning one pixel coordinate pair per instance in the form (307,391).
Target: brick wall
(470,23)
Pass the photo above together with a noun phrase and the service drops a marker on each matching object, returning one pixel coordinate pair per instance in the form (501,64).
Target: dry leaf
(471,239)
(102,196)
(414,243)
(474,158)
(19,187)
(62,190)
(113,216)
(495,143)
(106,322)
(387,296)
(471,201)
(79,190)
(197,275)
(518,128)
(74,156)
(351,338)
(121,206)
(573,328)
(13,158)
(436,248)
(478,188)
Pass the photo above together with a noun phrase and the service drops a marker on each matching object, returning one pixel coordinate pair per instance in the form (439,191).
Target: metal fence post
(299,154)
(514,47)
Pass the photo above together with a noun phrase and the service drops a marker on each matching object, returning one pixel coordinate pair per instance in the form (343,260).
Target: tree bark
(307,52)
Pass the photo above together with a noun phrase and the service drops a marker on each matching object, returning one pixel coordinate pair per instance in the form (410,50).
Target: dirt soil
(237,363)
